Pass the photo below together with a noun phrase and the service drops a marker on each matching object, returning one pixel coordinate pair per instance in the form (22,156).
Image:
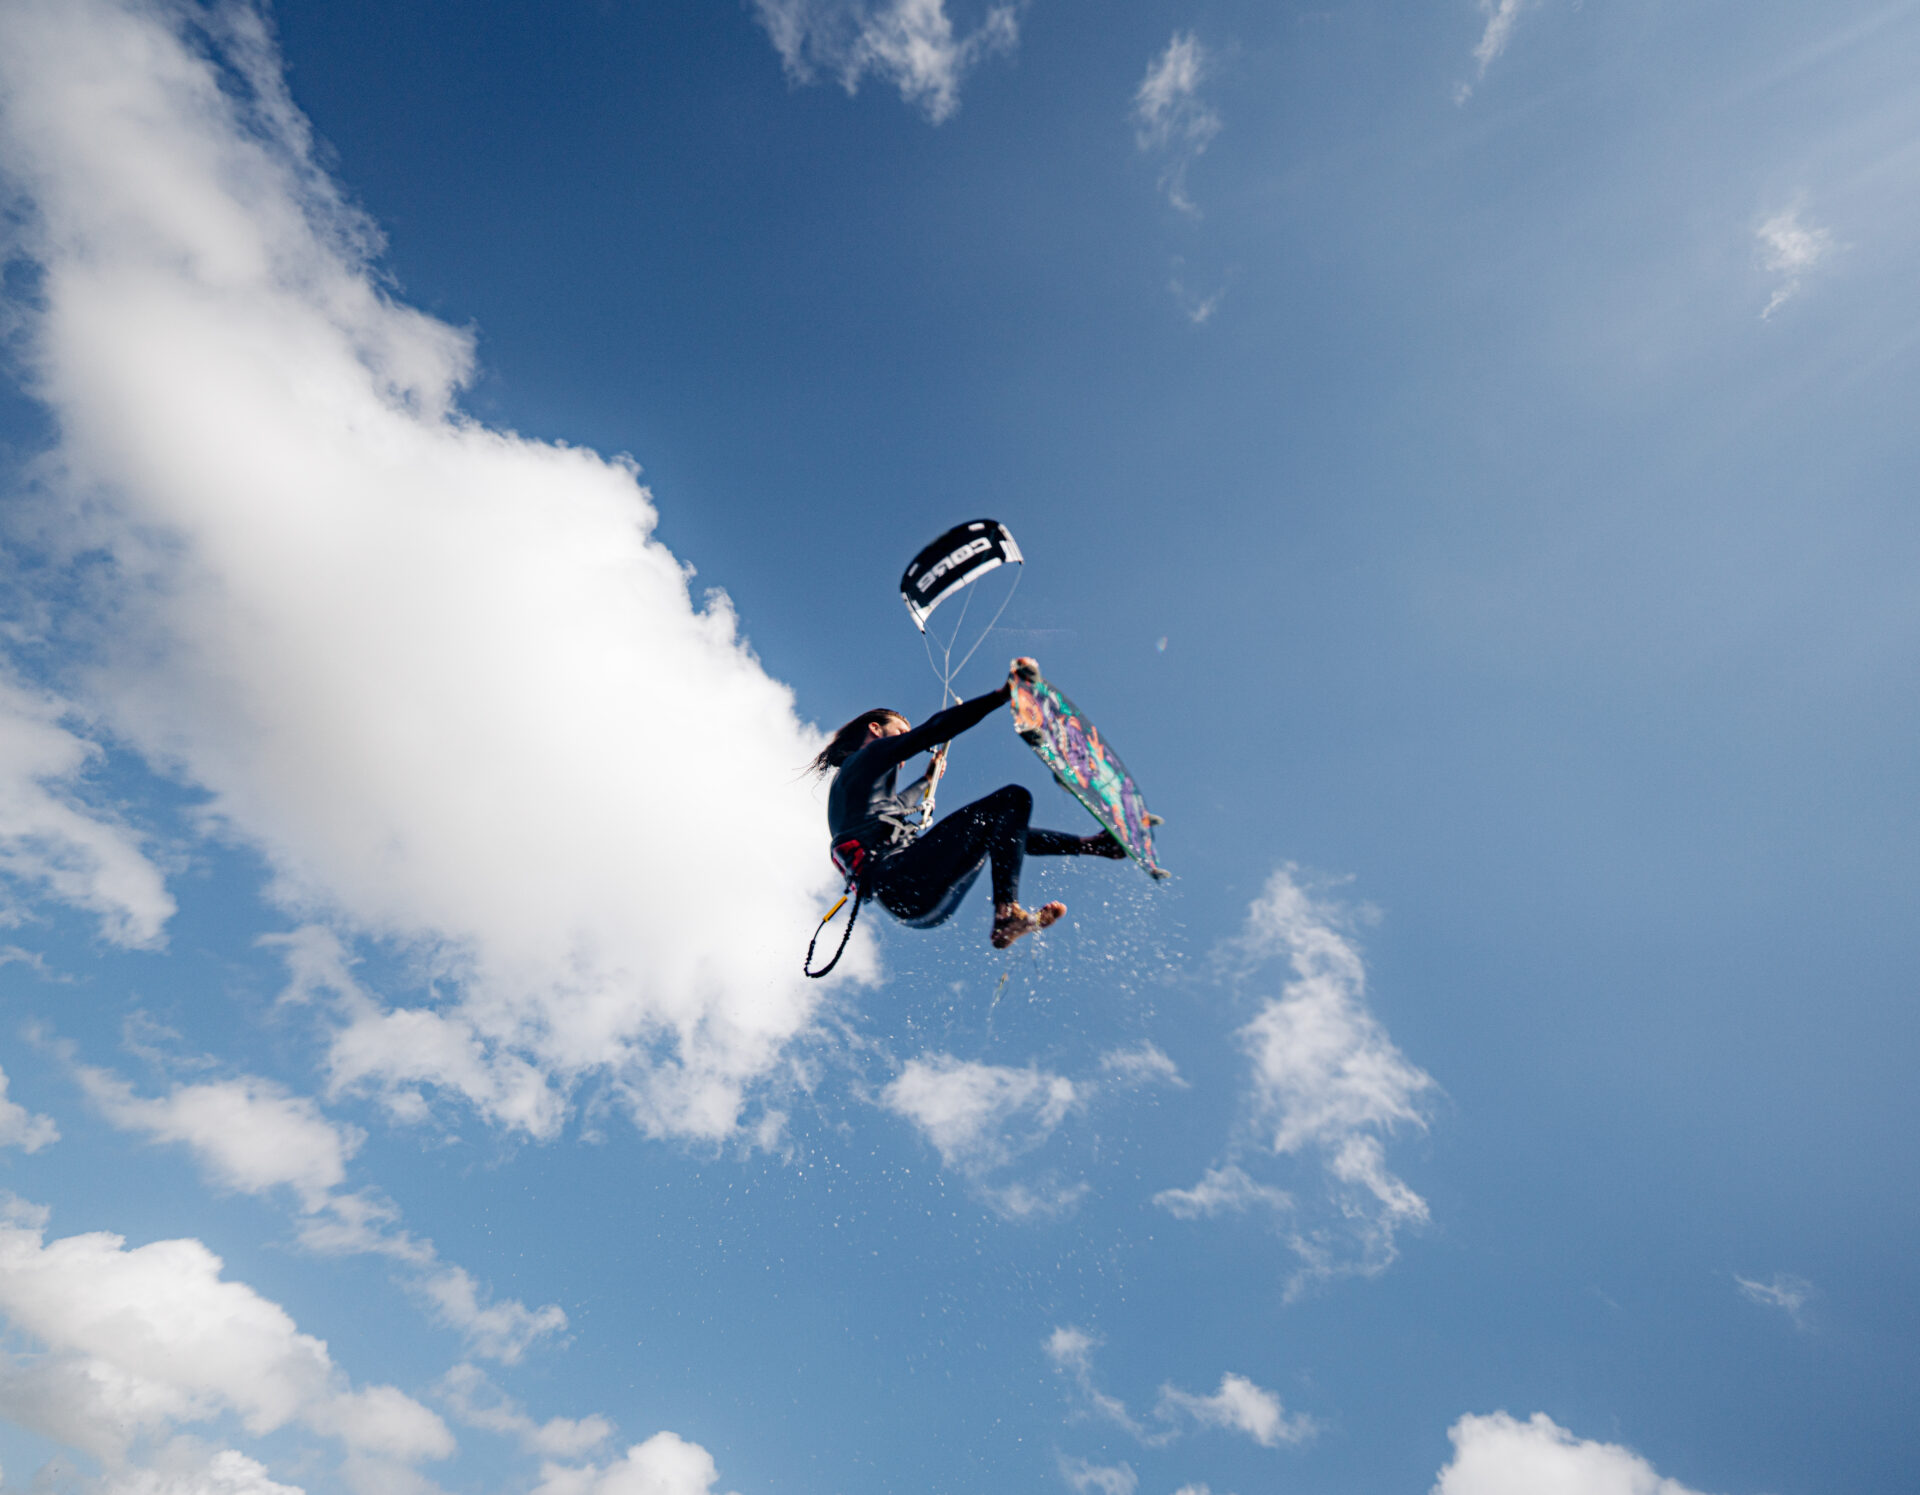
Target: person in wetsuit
(920,878)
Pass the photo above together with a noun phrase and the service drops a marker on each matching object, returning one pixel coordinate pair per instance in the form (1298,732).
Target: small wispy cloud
(1197,308)
(22,1128)
(983,1117)
(985,1120)
(910,44)
(1170,118)
(1070,1351)
(474,1400)
(53,841)
(1788,1293)
(1239,1405)
(502,1329)
(979,1116)
(248,1133)
(1790,247)
(1502,16)
(1221,1191)
(1084,1478)
(1143,1064)
(1328,1084)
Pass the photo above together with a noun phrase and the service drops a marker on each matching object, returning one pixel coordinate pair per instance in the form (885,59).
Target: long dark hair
(848,740)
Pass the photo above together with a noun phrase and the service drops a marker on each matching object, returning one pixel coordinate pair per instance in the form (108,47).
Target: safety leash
(845,934)
(851,858)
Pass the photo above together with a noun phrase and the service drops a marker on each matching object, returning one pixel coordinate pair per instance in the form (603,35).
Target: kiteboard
(1085,764)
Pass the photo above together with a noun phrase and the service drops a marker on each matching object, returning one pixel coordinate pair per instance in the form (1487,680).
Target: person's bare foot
(1011,922)
(1102,844)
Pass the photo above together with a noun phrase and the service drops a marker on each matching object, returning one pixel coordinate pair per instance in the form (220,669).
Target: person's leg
(1059,844)
(914,883)
(1008,840)
(1005,813)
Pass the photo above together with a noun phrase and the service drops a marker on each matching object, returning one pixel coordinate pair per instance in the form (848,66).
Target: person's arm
(942,726)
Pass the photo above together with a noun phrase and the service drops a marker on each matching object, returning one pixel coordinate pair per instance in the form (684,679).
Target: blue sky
(458,461)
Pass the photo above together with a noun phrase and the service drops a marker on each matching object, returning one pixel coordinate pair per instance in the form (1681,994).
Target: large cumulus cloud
(442,677)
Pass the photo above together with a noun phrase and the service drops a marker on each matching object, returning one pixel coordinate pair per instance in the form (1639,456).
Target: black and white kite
(950,564)
(962,555)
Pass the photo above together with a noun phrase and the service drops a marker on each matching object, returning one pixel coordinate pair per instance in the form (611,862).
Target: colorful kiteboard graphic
(1085,764)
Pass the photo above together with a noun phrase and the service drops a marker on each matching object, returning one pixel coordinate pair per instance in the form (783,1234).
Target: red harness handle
(850,856)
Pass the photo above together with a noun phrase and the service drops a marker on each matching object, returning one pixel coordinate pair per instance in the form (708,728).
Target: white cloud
(1228,1190)
(33,960)
(501,1330)
(1196,308)
(910,44)
(979,1116)
(1327,1082)
(440,676)
(181,1470)
(253,1136)
(394,1052)
(1043,1198)
(1500,1455)
(1172,121)
(249,1133)
(131,1343)
(51,839)
(22,1128)
(1238,1406)
(1790,245)
(1324,1068)
(1143,1064)
(982,1117)
(1360,1162)
(665,1464)
(383,1420)
(362,1223)
(1791,248)
(1788,1293)
(1071,1351)
(1108,1479)
(1501,16)
(476,1402)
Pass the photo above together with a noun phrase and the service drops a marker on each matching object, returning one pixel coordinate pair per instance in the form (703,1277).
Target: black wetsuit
(921,881)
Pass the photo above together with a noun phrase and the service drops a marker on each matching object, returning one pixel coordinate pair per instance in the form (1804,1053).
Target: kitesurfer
(920,876)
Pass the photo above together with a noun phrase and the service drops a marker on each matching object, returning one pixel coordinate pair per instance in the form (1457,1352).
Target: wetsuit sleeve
(941,727)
